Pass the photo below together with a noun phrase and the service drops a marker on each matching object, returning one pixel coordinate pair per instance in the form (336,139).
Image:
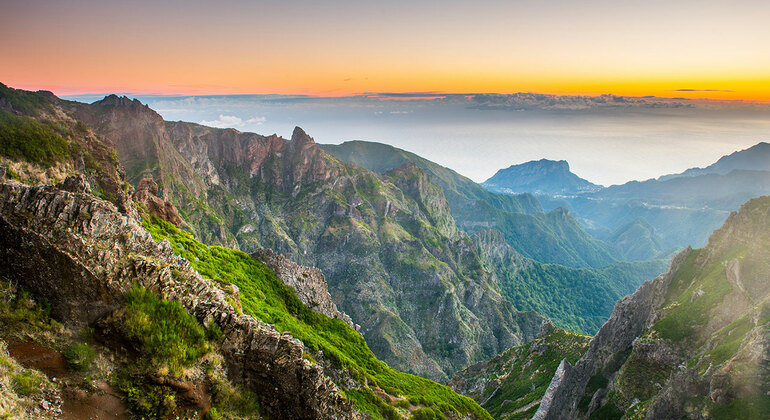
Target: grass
(165,331)
(27,383)
(266,298)
(24,138)
(79,356)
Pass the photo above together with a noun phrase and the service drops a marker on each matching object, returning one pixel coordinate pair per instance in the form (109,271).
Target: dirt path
(77,404)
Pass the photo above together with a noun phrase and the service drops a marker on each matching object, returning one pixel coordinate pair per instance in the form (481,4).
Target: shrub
(165,332)
(79,357)
(28,139)
(27,383)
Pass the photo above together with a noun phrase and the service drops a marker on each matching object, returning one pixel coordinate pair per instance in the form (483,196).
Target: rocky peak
(300,139)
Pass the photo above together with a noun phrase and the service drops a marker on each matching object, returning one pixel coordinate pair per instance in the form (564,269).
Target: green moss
(267,298)
(27,382)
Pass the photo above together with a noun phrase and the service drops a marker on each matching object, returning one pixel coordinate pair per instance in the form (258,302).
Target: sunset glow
(668,49)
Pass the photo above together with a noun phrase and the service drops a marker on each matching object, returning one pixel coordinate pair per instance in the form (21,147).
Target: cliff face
(388,245)
(694,343)
(308,282)
(83,255)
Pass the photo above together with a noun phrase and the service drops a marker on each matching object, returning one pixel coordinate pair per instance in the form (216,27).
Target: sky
(405,73)
(693,48)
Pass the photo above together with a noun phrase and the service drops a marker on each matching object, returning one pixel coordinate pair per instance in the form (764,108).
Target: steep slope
(386,243)
(539,177)
(552,238)
(694,343)
(511,384)
(577,299)
(637,241)
(461,192)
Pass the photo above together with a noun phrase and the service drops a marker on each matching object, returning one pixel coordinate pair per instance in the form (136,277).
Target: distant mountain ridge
(755,158)
(542,176)
(649,219)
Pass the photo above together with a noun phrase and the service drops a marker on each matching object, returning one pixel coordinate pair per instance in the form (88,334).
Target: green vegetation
(576,299)
(21,316)
(28,103)
(166,333)
(518,377)
(145,399)
(27,139)
(265,297)
(79,356)
(27,382)
(753,408)
(230,403)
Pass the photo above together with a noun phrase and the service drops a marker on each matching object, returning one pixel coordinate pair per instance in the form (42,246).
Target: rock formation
(82,254)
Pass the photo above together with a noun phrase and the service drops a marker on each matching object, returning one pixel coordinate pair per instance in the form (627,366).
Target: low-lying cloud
(231,121)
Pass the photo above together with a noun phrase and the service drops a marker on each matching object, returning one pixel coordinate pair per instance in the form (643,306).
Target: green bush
(165,331)
(79,357)
(24,138)
(213,332)
(146,400)
(427,414)
(27,383)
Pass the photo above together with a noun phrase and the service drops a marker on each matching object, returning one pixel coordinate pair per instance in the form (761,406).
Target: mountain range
(294,277)
(649,219)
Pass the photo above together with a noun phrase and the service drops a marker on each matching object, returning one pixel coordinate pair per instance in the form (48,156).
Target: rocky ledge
(81,254)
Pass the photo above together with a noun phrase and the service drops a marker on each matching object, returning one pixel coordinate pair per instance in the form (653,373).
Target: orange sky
(340,47)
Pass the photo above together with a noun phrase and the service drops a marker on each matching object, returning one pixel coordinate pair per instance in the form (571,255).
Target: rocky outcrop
(82,255)
(308,282)
(630,318)
(146,194)
(694,343)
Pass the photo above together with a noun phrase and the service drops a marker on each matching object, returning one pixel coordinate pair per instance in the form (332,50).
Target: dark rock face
(83,255)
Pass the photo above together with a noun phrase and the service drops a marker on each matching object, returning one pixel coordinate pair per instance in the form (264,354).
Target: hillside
(755,158)
(691,344)
(510,385)
(551,238)
(576,299)
(164,324)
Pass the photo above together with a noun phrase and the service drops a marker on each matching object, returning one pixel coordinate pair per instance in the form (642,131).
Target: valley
(363,281)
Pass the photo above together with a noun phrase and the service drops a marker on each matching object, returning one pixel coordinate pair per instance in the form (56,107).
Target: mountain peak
(542,176)
(120,101)
(300,137)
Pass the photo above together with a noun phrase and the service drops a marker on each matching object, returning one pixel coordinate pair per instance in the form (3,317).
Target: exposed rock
(308,282)
(82,254)
(147,194)
(632,316)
